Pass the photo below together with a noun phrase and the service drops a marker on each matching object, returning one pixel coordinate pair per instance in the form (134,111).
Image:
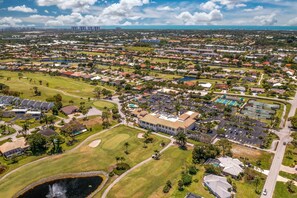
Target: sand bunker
(140,135)
(95,143)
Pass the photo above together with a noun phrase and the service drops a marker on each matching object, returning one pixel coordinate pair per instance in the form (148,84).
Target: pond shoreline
(102,174)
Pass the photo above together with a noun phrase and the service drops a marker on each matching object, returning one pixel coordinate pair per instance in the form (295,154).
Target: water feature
(187,78)
(65,188)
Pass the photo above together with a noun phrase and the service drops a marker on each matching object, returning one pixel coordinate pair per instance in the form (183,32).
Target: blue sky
(55,13)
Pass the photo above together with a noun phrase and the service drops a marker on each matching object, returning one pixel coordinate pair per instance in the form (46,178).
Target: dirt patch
(242,151)
(95,143)
(140,135)
(92,122)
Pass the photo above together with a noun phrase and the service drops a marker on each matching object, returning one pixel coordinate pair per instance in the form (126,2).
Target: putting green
(115,141)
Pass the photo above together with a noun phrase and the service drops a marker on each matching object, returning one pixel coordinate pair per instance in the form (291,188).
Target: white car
(265,192)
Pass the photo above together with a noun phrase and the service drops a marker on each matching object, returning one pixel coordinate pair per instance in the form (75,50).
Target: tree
(203,153)
(226,147)
(181,139)
(25,128)
(37,143)
(157,154)
(56,141)
(290,186)
(180,185)
(294,122)
(97,92)
(118,159)
(126,147)
(257,181)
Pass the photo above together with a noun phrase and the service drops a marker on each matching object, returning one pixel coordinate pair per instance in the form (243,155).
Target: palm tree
(25,128)
(257,182)
(126,146)
(157,154)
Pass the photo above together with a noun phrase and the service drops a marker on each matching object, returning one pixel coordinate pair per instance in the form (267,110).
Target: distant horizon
(172,27)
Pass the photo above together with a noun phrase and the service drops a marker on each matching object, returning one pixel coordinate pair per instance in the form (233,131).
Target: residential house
(218,186)
(67,110)
(231,166)
(16,147)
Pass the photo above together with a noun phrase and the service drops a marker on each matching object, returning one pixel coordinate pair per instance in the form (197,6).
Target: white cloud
(9,22)
(257,8)
(37,18)
(75,5)
(200,17)
(22,8)
(208,6)
(231,4)
(293,21)
(46,11)
(266,19)
(165,8)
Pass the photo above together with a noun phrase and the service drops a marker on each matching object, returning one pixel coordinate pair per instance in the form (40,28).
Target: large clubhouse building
(169,124)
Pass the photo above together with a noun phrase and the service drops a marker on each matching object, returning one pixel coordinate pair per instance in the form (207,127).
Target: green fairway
(70,89)
(140,49)
(102,105)
(149,180)
(83,159)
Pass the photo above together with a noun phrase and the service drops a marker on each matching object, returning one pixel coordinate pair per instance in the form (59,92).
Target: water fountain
(57,190)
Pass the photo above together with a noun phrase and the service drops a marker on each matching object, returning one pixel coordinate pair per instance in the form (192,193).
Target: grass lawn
(252,155)
(140,49)
(70,89)
(102,105)
(281,191)
(149,180)
(83,159)
(290,158)
(288,175)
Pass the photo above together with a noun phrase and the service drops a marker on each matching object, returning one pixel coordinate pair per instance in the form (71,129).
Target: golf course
(102,157)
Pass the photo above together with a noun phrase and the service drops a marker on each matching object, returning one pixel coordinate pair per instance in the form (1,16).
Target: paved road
(115,100)
(261,78)
(284,135)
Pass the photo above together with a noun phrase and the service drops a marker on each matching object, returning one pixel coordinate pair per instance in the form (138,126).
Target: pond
(65,188)
(186,78)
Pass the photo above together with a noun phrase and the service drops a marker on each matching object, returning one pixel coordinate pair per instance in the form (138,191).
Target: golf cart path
(133,168)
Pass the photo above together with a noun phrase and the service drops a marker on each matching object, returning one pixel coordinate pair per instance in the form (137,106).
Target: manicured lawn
(83,159)
(290,158)
(140,49)
(70,89)
(149,180)
(252,156)
(102,105)
(281,191)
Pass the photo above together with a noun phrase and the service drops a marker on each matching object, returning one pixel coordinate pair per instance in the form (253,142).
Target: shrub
(166,189)
(187,179)
(193,170)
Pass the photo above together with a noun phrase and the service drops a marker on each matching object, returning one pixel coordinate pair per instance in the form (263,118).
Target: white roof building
(231,166)
(218,186)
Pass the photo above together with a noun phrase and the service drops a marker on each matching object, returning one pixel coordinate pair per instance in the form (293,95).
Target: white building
(231,166)
(169,124)
(218,186)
